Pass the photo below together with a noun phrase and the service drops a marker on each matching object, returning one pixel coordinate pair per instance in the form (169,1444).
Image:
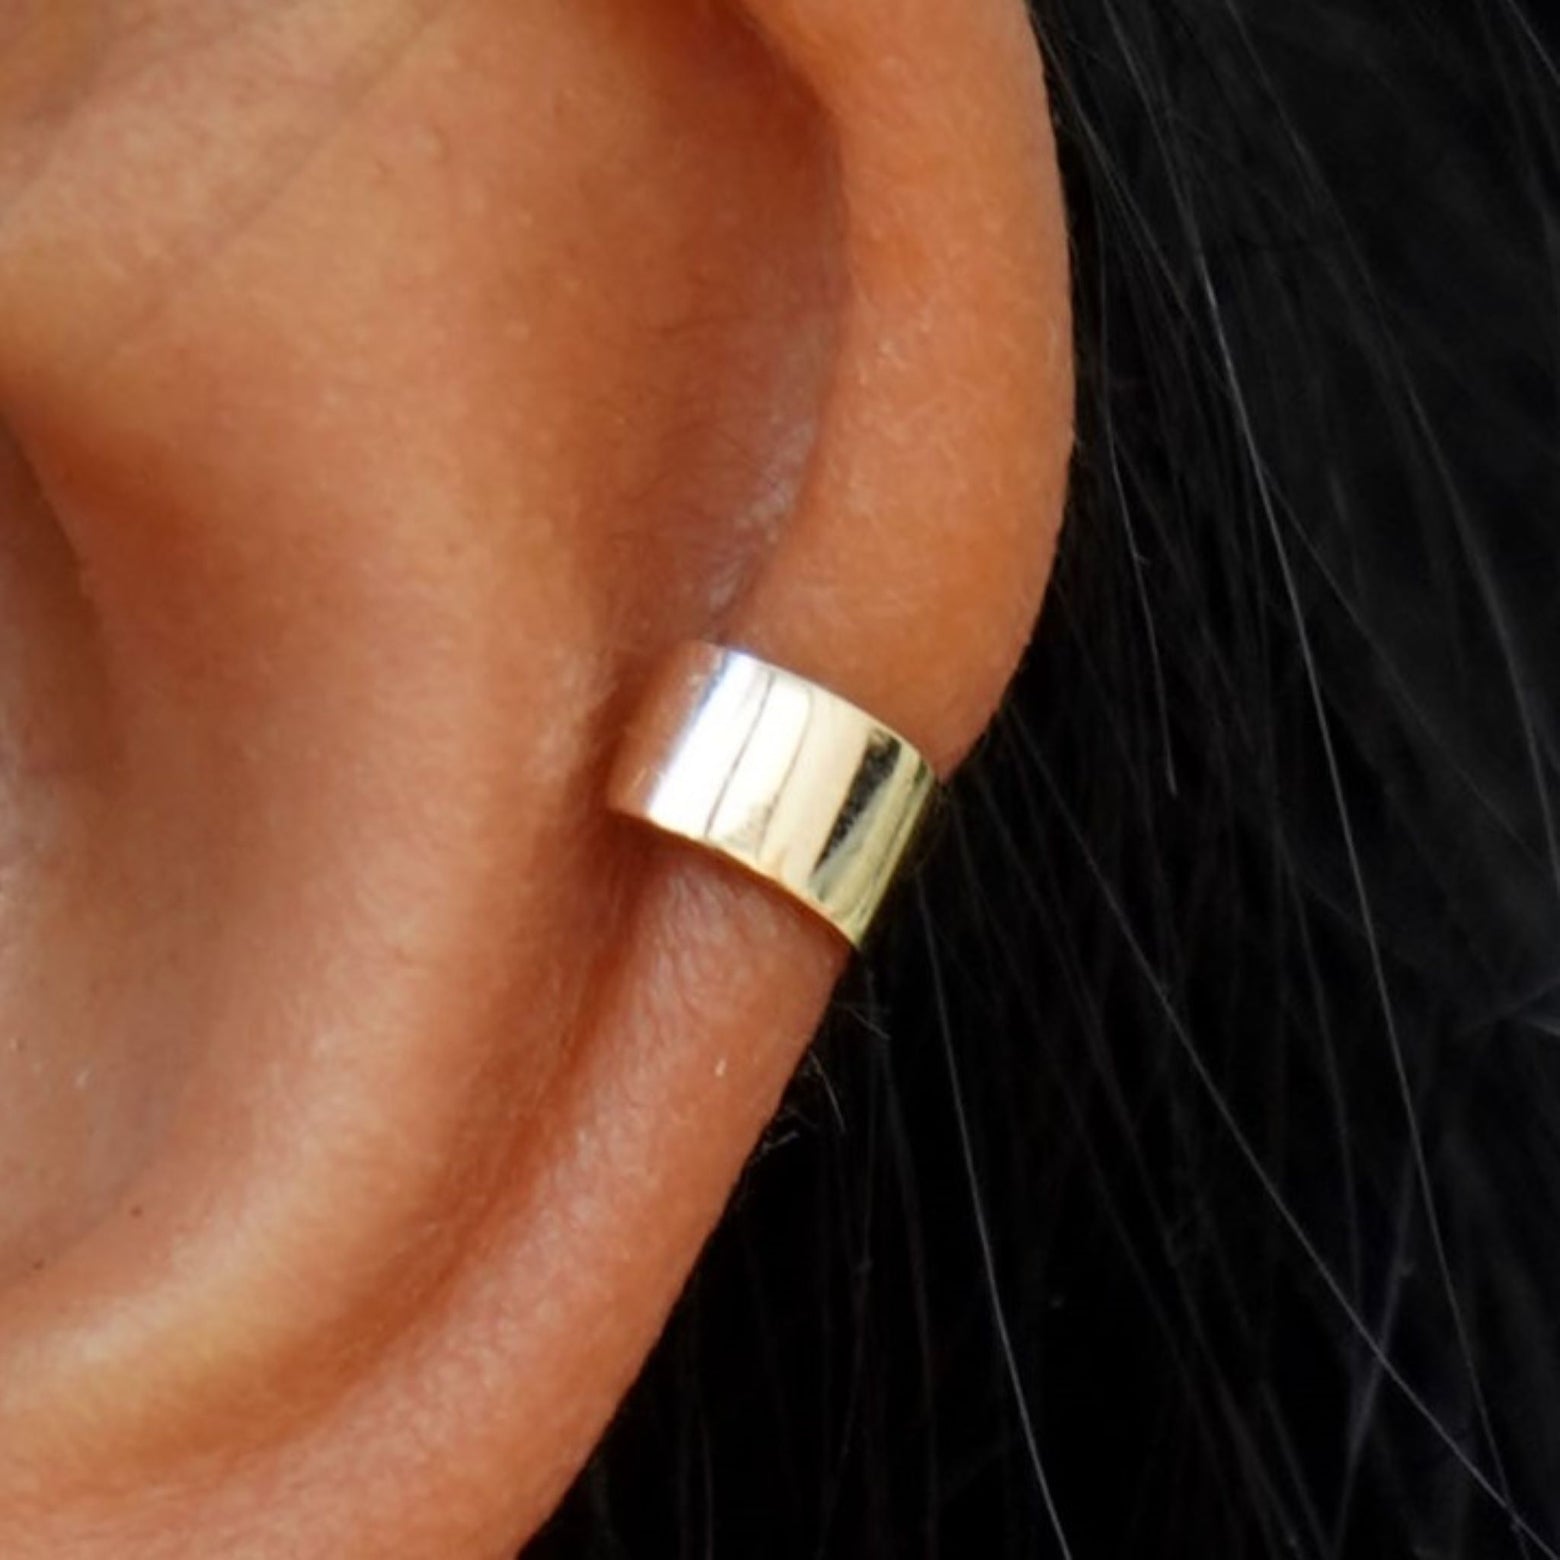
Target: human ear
(386,388)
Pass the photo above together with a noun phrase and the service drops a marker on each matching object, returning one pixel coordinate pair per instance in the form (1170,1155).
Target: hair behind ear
(1278,772)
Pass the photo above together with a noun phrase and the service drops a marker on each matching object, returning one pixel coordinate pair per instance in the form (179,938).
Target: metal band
(781,776)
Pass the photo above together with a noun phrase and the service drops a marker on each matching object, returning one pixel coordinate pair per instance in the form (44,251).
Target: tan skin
(383,385)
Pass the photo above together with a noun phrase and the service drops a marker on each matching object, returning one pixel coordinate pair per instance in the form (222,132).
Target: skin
(383,386)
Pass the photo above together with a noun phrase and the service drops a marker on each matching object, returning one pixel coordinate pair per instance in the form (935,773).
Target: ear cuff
(777,774)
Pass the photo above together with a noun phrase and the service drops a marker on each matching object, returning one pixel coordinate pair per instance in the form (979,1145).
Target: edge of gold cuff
(777,774)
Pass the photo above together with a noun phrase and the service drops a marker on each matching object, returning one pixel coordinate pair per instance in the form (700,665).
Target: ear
(387,387)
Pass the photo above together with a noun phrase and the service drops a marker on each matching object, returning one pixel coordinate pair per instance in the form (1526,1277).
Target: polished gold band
(777,774)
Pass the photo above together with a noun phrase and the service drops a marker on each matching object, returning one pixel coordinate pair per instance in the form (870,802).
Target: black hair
(1181,1175)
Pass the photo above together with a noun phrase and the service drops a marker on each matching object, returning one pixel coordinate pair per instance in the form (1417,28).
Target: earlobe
(578,331)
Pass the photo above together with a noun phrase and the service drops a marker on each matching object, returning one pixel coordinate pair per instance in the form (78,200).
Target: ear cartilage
(777,774)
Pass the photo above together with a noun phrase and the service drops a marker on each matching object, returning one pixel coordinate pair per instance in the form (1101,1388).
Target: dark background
(1188,1151)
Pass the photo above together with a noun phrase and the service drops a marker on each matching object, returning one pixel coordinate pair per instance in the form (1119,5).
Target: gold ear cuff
(777,774)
